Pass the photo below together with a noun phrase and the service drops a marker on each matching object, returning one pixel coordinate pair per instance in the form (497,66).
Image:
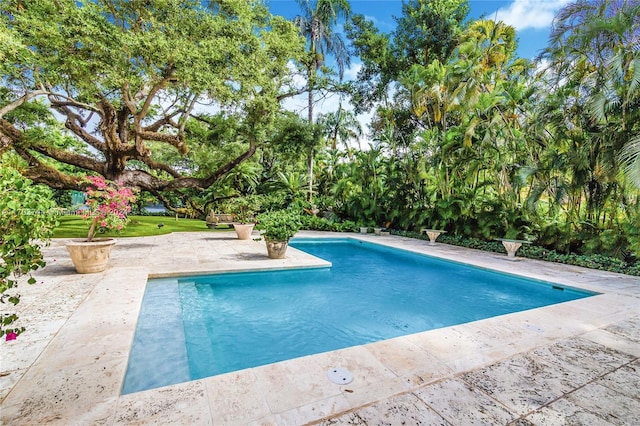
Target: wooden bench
(512,246)
(214,220)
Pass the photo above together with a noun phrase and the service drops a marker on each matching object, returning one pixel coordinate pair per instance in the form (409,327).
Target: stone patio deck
(572,363)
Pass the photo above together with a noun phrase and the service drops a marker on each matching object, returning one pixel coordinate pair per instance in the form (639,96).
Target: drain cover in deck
(340,376)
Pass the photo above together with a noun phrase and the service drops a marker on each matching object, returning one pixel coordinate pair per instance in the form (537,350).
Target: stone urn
(276,249)
(90,256)
(243,230)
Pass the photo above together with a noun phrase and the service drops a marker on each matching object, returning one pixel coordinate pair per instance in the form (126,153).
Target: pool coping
(70,366)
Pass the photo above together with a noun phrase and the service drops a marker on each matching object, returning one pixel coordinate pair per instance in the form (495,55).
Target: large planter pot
(243,231)
(90,256)
(276,249)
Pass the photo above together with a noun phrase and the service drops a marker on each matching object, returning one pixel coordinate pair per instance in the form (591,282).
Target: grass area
(139,226)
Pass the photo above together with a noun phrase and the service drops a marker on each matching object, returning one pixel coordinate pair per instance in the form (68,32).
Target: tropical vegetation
(185,101)
(26,225)
(279,225)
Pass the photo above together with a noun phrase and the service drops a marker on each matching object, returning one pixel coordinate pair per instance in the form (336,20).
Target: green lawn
(139,226)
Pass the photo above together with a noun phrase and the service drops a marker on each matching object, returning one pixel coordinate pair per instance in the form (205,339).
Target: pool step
(198,340)
(158,356)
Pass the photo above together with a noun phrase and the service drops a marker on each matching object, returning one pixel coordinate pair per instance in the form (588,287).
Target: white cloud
(382,25)
(526,14)
(351,73)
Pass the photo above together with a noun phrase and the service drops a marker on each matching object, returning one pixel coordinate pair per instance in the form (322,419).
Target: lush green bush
(275,201)
(279,225)
(243,209)
(316,223)
(605,263)
(26,223)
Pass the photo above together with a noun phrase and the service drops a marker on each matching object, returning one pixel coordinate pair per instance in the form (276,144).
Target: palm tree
(594,46)
(492,44)
(315,23)
(340,126)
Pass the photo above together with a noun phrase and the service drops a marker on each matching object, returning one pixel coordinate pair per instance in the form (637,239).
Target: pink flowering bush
(109,203)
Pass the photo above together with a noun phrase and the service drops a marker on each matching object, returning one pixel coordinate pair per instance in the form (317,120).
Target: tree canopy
(100,85)
(427,30)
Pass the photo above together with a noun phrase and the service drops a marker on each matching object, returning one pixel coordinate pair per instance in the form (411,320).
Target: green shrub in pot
(279,225)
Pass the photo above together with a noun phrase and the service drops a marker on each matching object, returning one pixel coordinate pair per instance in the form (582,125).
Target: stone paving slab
(460,403)
(571,363)
(523,390)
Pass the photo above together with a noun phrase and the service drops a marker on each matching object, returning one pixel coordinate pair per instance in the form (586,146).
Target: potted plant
(278,227)
(365,226)
(108,204)
(243,210)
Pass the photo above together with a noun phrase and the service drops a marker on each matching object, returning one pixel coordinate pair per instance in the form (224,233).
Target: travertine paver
(184,403)
(402,409)
(582,360)
(593,404)
(461,403)
(572,382)
(522,383)
(571,363)
(625,380)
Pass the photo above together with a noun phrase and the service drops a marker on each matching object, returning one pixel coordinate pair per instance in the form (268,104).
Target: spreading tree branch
(21,100)
(48,175)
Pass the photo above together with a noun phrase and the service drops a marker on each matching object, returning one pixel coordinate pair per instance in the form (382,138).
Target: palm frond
(629,157)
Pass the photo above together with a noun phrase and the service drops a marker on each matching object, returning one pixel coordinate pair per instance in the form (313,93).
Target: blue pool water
(195,327)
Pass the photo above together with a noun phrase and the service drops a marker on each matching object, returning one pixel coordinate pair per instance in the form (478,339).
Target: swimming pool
(195,327)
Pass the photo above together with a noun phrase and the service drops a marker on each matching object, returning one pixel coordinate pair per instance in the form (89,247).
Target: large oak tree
(125,78)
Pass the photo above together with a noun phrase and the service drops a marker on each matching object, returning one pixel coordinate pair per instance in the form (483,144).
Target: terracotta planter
(90,256)
(277,249)
(243,231)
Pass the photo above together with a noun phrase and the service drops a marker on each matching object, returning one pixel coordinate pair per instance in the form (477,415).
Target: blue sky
(531,18)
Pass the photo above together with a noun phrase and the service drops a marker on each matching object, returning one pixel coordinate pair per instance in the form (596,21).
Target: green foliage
(362,186)
(316,24)
(243,209)
(427,30)
(125,78)
(279,225)
(294,187)
(26,222)
(340,126)
(632,233)
(275,201)
(62,198)
(593,261)
(315,223)
(293,138)
(587,117)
